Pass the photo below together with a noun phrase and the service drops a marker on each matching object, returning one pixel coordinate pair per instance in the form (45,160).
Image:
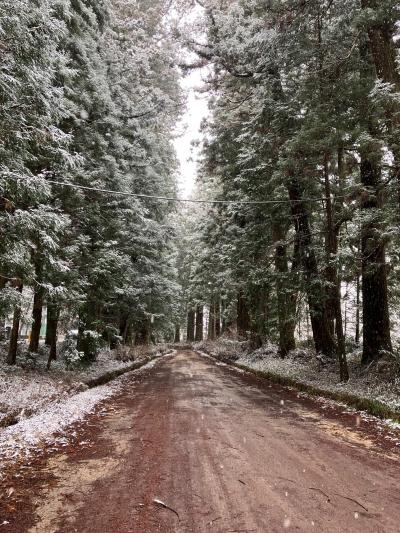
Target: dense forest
(299,173)
(88,100)
(302,154)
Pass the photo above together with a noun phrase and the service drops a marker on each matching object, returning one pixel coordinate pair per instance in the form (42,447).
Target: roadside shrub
(111,337)
(69,353)
(90,345)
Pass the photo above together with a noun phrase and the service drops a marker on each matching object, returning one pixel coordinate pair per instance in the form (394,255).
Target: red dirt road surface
(193,446)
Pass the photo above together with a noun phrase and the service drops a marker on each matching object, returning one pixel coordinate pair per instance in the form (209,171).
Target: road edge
(361,403)
(105,378)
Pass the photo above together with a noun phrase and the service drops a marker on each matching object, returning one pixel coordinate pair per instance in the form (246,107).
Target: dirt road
(225,452)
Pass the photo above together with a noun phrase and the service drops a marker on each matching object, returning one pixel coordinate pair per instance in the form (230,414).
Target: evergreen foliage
(304,115)
(89,96)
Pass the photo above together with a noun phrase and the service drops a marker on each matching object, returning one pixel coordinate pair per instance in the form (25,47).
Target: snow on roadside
(22,394)
(306,367)
(303,366)
(49,426)
(28,435)
(25,390)
(266,359)
(367,386)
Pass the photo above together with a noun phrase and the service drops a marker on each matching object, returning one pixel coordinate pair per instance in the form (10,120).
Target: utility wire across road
(188,200)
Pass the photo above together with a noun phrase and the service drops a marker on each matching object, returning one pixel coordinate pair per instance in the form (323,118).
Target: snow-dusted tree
(297,106)
(32,145)
(90,95)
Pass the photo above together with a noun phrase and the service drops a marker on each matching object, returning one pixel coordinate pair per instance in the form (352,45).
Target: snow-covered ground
(27,388)
(379,384)
(57,404)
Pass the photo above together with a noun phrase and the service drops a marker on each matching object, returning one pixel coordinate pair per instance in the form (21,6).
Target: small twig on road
(231,447)
(165,506)
(322,492)
(242,482)
(351,500)
(287,479)
(240,530)
(259,435)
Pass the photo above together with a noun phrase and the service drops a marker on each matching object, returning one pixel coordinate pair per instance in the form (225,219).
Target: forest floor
(378,387)
(190,446)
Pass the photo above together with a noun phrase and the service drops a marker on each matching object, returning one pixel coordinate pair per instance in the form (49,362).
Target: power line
(187,200)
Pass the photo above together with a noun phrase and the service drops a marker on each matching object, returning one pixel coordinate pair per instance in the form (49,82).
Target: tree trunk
(13,346)
(37,304)
(331,248)
(334,289)
(51,323)
(211,320)
(53,314)
(47,338)
(382,46)
(177,336)
(376,323)
(123,327)
(243,316)
(217,313)
(223,316)
(190,325)
(315,286)
(286,307)
(37,320)
(343,367)
(143,335)
(199,323)
(357,334)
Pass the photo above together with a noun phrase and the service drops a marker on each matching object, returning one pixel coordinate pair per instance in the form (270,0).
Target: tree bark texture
(190,325)
(53,314)
(334,287)
(376,323)
(211,320)
(37,303)
(217,313)
(177,336)
(37,319)
(13,346)
(285,297)
(199,323)
(315,285)
(243,316)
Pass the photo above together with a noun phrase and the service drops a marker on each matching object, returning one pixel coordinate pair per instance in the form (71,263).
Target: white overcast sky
(188,129)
